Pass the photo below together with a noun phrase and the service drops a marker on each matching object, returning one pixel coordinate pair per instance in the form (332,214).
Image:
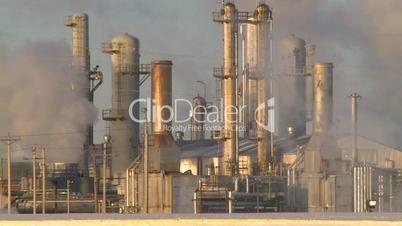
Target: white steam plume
(38,102)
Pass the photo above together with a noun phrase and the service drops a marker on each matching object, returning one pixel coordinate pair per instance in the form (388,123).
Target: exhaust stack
(353,98)
(322,145)
(161,95)
(163,152)
(323,96)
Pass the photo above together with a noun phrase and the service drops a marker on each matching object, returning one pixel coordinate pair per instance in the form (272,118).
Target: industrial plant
(263,142)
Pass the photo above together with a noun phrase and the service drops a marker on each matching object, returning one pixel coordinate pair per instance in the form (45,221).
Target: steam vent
(204,113)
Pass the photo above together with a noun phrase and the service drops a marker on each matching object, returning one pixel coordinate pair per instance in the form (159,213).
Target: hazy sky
(363,38)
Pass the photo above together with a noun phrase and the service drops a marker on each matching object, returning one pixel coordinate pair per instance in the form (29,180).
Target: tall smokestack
(322,145)
(81,63)
(323,97)
(161,87)
(163,153)
(124,50)
(353,100)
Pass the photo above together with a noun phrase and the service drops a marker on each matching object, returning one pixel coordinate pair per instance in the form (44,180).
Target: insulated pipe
(161,86)
(310,51)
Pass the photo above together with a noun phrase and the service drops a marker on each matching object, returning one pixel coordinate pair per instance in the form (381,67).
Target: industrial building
(287,159)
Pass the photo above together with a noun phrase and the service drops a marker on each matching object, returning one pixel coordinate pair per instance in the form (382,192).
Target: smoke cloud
(363,40)
(41,101)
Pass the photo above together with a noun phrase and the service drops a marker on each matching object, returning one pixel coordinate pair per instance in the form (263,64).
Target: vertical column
(353,100)
(263,20)
(230,28)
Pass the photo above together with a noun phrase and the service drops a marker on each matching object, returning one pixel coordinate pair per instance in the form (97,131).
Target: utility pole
(354,97)
(34,178)
(145,156)
(106,140)
(95,179)
(43,181)
(9,140)
(69,182)
(1,178)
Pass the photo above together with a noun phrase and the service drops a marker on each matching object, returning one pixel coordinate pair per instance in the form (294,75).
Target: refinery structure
(274,150)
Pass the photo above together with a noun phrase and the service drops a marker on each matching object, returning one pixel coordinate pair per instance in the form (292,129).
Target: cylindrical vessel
(229,89)
(198,118)
(263,20)
(80,51)
(250,58)
(354,98)
(292,100)
(81,66)
(161,86)
(323,92)
(125,89)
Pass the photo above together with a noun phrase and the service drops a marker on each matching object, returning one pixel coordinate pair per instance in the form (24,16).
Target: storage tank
(124,50)
(291,87)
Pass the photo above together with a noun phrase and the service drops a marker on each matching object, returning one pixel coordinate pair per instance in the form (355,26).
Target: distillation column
(250,61)
(81,66)
(263,78)
(124,50)
(228,76)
